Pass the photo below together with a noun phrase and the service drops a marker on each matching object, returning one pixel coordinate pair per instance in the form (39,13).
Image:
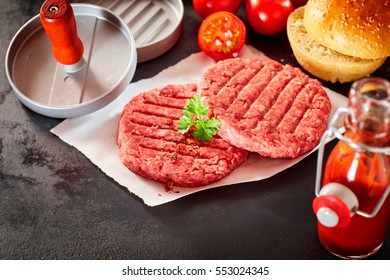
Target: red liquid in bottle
(364,172)
(368,176)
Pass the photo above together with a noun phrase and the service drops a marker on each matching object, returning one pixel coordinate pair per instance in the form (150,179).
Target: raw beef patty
(150,144)
(265,107)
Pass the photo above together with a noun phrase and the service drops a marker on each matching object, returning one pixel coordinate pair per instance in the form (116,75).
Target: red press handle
(60,25)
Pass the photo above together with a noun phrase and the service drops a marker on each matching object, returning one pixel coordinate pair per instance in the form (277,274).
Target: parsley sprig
(195,113)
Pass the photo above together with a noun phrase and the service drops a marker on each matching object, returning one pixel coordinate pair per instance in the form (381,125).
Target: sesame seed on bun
(359,28)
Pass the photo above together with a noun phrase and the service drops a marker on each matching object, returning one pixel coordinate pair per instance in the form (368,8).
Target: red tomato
(222,35)
(205,8)
(268,17)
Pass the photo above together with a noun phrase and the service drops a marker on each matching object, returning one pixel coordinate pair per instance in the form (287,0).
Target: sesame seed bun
(321,61)
(359,28)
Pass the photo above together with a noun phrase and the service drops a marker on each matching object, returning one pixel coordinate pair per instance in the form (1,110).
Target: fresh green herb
(195,113)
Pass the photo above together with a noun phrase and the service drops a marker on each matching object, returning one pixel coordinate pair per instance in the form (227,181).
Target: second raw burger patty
(150,144)
(265,107)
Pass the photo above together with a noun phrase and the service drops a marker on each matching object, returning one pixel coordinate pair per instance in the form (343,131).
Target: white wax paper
(95,136)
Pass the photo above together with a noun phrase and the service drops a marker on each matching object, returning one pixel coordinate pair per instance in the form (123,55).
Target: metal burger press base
(39,63)
(155,24)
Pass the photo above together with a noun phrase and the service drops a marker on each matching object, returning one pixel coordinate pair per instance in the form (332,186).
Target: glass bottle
(353,205)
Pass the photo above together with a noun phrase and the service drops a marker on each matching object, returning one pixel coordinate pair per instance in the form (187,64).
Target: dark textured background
(55,204)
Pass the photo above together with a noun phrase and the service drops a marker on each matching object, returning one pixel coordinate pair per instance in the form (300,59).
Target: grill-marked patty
(150,144)
(265,107)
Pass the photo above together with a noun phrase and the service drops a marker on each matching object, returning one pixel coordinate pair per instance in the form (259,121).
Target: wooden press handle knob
(60,25)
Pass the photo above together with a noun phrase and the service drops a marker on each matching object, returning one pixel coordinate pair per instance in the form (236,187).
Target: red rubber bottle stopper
(335,205)
(58,20)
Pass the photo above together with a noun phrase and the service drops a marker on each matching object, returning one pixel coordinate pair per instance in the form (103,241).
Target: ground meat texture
(265,107)
(151,146)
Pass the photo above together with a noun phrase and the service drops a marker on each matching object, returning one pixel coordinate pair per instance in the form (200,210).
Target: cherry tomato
(205,8)
(222,35)
(268,17)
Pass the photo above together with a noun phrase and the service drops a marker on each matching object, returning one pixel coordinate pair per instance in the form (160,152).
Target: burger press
(88,61)
(155,24)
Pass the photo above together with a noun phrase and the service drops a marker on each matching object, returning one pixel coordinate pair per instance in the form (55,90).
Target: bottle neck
(369,118)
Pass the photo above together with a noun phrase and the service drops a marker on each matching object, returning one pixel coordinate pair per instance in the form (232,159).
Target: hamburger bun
(321,61)
(358,28)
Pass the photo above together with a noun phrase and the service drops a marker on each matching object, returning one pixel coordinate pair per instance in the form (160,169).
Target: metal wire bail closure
(335,203)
